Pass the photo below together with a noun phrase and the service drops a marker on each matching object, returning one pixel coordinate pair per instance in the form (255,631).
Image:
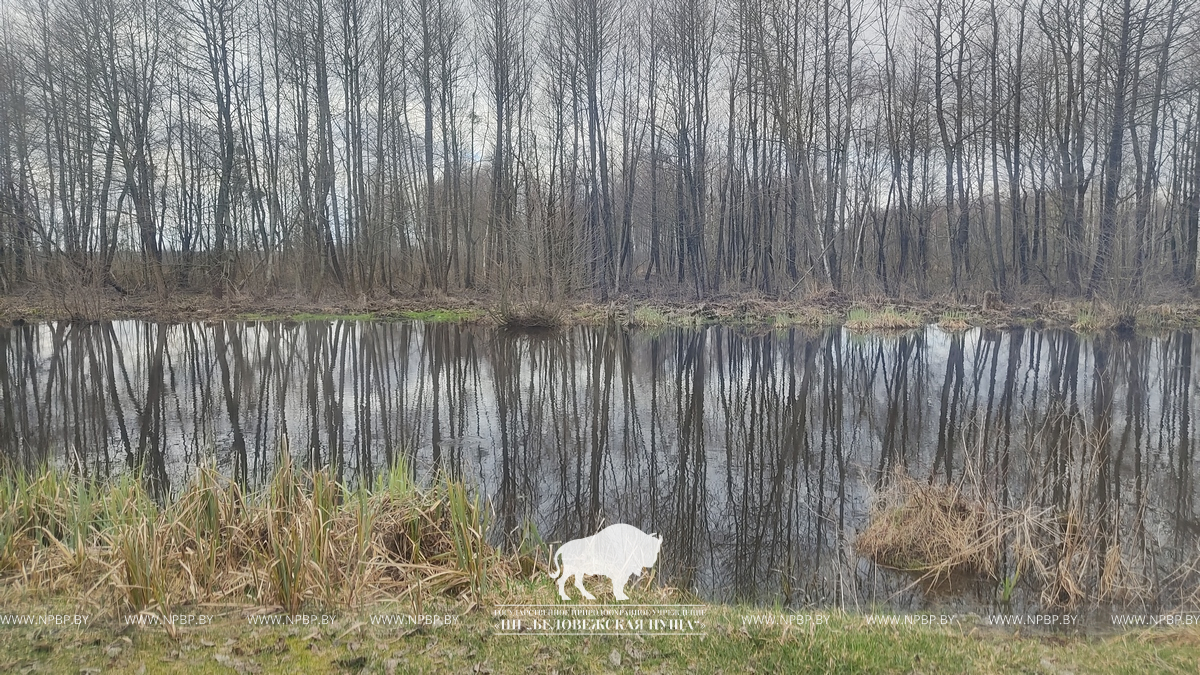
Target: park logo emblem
(618,552)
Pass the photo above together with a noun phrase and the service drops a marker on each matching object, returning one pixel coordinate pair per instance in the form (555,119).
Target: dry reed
(305,539)
(862,320)
(531,315)
(1066,556)
(930,529)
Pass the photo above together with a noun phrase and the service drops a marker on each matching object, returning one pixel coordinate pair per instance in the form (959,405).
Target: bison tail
(557,564)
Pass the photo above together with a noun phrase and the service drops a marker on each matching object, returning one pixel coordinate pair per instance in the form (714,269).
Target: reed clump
(303,539)
(1086,321)
(531,315)
(888,319)
(648,317)
(932,529)
(1065,555)
(954,322)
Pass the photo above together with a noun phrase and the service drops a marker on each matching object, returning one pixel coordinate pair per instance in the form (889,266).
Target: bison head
(650,549)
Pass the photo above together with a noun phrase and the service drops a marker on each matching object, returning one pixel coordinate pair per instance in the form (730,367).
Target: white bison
(617,552)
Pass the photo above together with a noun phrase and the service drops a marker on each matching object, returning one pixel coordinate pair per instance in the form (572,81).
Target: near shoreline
(863,314)
(367,639)
(307,575)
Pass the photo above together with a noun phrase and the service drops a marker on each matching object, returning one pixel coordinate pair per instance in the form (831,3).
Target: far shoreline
(868,314)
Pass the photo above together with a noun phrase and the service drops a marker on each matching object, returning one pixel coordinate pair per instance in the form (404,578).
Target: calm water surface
(755,454)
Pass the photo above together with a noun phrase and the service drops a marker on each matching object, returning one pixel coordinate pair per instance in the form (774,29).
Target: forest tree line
(600,146)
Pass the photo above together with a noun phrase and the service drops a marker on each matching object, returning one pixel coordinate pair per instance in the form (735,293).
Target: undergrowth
(1066,555)
(887,319)
(303,539)
(530,315)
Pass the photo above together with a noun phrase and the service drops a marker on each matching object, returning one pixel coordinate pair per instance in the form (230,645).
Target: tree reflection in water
(754,454)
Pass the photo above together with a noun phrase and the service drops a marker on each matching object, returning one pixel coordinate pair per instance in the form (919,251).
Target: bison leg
(579,585)
(619,588)
(562,583)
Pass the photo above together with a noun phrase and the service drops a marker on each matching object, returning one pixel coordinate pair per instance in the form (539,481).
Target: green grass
(862,320)
(1086,321)
(440,315)
(649,317)
(955,321)
(844,643)
(808,319)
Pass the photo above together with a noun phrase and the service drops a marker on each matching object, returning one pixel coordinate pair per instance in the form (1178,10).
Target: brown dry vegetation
(641,309)
(888,319)
(304,539)
(934,530)
(529,315)
(1068,557)
(954,322)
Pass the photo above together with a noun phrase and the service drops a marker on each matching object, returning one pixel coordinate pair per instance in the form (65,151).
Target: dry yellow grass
(932,529)
(303,539)
(889,319)
(954,322)
(529,315)
(1064,555)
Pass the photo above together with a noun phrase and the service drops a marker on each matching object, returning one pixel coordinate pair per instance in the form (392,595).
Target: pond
(754,453)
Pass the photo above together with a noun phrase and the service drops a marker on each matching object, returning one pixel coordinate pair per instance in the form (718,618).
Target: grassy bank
(862,314)
(354,642)
(302,576)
